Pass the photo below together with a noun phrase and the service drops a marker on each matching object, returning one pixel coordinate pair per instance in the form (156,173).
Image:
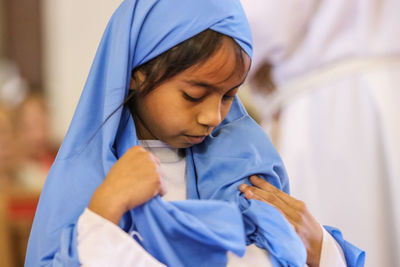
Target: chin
(182,142)
(180,145)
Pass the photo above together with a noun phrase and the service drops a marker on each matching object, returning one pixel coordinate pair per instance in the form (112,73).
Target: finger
(261,183)
(243,187)
(248,192)
(250,195)
(163,187)
(252,192)
(270,198)
(260,192)
(293,211)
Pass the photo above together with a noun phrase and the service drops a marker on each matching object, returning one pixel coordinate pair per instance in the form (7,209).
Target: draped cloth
(216,218)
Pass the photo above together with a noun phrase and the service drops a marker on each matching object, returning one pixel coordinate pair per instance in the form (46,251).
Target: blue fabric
(183,233)
(354,256)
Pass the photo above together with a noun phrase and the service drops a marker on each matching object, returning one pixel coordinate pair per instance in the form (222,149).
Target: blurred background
(46,49)
(323,84)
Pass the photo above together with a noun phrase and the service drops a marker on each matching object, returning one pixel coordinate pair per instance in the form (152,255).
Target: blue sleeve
(355,257)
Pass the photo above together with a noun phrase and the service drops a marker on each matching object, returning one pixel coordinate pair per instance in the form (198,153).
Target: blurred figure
(37,153)
(12,91)
(13,88)
(7,149)
(26,155)
(336,65)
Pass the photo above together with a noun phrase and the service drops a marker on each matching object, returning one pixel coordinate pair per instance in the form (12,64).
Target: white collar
(164,152)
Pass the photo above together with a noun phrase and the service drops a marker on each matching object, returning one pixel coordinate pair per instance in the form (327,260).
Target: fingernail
(249,194)
(242,187)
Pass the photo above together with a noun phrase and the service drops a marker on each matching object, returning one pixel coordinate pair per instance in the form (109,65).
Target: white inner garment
(173,166)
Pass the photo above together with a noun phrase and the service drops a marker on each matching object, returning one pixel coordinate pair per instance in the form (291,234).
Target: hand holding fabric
(294,210)
(133,180)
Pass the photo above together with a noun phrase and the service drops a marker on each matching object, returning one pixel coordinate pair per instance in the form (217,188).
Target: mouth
(195,139)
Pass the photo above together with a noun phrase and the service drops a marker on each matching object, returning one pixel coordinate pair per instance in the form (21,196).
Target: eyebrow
(211,86)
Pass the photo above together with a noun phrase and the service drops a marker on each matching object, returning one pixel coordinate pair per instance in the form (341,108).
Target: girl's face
(186,108)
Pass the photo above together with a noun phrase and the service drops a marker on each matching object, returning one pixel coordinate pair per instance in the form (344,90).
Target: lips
(195,139)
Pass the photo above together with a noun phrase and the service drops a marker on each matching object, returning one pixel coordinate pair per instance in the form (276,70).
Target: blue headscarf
(138,31)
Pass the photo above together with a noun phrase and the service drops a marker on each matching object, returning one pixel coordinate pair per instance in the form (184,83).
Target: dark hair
(177,59)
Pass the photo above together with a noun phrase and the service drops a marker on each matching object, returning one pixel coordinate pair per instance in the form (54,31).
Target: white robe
(337,68)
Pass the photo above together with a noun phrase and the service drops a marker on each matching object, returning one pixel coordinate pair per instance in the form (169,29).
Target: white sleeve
(331,253)
(102,243)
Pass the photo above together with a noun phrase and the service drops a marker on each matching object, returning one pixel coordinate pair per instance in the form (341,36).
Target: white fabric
(331,253)
(97,236)
(297,36)
(313,80)
(340,138)
(173,166)
(103,244)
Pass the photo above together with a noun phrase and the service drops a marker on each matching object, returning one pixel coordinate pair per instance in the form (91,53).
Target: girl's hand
(294,210)
(133,180)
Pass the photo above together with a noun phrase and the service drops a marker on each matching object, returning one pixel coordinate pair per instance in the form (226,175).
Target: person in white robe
(336,66)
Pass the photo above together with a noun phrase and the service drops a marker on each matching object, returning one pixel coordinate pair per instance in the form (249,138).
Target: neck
(142,131)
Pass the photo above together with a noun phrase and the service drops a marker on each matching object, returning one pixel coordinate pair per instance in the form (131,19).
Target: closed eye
(228,97)
(190,98)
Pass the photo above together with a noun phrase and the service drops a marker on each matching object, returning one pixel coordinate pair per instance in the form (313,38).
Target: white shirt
(102,243)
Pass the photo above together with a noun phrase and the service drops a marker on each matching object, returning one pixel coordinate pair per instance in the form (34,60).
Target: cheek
(177,117)
(169,116)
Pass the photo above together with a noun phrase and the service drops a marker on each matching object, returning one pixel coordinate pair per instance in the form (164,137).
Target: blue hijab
(216,218)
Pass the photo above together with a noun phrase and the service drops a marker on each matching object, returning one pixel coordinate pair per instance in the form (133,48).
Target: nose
(210,114)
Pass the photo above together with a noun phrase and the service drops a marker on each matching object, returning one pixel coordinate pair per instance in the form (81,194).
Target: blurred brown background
(46,49)
(24,141)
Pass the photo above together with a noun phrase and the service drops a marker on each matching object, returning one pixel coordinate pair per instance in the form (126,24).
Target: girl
(176,65)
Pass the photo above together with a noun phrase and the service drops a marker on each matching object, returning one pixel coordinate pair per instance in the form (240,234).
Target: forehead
(228,65)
